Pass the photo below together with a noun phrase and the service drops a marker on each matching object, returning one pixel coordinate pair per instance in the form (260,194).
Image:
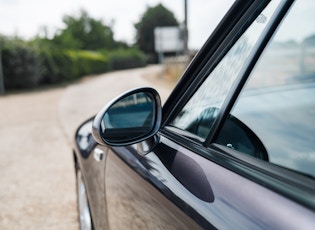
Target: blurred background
(63,41)
(60,62)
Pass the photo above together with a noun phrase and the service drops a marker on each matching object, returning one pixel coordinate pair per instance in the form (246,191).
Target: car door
(210,168)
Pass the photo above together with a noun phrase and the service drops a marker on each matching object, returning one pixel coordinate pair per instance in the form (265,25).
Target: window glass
(199,113)
(277,107)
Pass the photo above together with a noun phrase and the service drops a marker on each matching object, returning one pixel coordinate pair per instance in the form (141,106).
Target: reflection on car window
(201,110)
(278,103)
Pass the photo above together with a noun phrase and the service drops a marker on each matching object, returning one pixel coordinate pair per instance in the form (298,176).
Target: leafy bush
(126,59)
(20,65)
(55,66)
(88,62)
(38,62)
(65,65)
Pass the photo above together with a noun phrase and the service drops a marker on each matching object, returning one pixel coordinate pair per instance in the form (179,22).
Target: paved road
(37,183)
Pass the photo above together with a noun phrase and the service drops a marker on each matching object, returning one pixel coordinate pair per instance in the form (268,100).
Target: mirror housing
(130,118)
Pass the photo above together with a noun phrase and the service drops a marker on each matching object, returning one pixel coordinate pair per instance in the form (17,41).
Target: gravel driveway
(37,182)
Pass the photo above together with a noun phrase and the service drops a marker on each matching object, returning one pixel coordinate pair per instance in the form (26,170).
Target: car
(233,147)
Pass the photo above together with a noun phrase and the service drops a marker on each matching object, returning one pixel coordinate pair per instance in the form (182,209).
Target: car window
(278,103)
(198,114)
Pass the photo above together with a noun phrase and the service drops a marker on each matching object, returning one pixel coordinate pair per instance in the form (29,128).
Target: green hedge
(26,66)
(88,62)
(20,65)
(126,59)
(65,65)
(55,66)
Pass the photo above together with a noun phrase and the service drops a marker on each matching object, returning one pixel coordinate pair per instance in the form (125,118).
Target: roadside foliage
(85,46)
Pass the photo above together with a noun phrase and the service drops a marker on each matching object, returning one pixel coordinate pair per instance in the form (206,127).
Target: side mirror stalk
(148,145)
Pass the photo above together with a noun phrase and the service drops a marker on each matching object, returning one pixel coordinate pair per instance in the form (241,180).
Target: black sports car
(233,146)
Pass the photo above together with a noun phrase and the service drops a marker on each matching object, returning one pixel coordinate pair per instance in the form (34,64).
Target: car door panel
(206,165)
(143,192)
(132,201)
(90,159)
(93,170)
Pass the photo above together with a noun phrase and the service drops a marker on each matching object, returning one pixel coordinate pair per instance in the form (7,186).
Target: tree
(85,33)
(153,17)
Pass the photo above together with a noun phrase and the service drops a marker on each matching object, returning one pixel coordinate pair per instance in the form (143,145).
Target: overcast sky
(25,17)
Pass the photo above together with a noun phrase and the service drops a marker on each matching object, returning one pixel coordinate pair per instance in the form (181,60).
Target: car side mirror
(130,118)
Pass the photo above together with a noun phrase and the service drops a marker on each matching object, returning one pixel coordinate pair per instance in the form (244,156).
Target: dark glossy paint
(93,172)
(213,194)
(181,184)
(133,200)
(147,192)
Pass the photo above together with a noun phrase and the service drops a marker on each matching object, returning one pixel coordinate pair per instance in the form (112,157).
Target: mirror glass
(129,118)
